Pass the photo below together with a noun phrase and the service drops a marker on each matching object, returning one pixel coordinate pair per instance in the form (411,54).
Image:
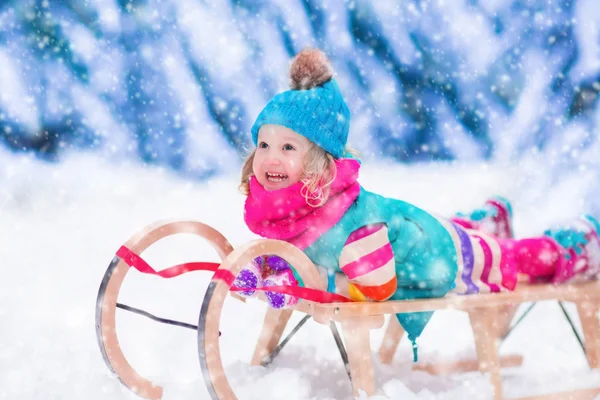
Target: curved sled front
(108,293)
(212,305)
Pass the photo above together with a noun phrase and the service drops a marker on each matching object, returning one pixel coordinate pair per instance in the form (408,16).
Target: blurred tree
(179,83)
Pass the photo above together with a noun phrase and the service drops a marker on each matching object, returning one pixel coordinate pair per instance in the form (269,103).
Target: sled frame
(490,315)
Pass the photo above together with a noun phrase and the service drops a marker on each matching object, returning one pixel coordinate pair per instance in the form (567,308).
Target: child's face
(279,158)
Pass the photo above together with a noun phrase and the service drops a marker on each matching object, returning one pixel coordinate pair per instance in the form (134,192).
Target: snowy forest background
(115,114)
(178,83)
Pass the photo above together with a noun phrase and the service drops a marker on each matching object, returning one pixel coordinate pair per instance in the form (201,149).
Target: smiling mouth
(275,178)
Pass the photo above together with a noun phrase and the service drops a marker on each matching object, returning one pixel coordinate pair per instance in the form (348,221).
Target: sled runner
(490,315)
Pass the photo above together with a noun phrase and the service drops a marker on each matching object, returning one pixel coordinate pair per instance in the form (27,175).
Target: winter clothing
(267,271)
(567,253)
(494,218)
(250,277)
(426,253)
(423,250)
(284,214)
(387,248)
(483,265)
(577,246)
(367,259)
(281,278)
(319,114)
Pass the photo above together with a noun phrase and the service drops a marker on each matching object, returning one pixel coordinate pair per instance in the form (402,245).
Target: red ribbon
(133,260)
(314,295)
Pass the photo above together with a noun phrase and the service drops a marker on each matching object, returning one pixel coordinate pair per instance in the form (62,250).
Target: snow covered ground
(61,224)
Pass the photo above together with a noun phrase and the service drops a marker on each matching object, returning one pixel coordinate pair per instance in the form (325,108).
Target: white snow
(61,224)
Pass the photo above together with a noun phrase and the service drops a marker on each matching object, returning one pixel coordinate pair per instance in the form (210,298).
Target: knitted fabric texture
(284,214)
(319,114)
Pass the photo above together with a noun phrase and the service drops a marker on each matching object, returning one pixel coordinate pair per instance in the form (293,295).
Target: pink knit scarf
(284,214)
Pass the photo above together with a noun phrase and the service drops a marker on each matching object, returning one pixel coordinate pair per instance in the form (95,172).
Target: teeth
(275,177)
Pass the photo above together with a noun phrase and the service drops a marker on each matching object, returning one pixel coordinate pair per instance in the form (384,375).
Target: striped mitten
(367,259)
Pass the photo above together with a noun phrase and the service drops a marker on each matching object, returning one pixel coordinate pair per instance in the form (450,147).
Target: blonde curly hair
(319,172)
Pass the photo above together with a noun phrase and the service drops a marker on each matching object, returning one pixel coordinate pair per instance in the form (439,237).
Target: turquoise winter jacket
(425,256)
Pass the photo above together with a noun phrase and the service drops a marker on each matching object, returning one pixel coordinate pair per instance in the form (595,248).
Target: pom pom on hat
(310,68)
(314,108)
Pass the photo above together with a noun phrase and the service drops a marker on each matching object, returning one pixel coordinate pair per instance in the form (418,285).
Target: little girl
(301,186)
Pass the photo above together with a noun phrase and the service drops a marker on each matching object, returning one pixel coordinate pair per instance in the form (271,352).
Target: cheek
(295,167)
(256,163)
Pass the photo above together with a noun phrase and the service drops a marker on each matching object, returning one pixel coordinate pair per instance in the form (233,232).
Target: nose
(273,159)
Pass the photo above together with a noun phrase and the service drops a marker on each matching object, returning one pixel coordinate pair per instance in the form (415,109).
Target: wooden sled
(106,303)
(490,324)
(355,319)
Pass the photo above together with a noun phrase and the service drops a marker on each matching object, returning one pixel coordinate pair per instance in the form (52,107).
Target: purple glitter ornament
(250,277)
(275,300)
(277,263)
(280,300)
(258,261)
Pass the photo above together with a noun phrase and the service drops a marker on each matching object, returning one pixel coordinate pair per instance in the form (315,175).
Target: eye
(288,147)
(263,145)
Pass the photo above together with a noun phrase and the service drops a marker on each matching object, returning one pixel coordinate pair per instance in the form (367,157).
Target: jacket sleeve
(367,259)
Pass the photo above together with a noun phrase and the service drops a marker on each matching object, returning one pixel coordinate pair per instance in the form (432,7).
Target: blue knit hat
(315,110)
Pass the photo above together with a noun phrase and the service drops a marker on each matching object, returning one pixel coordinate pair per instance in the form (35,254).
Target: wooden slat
(389,344)
(582,394)
(572,292)
(358,345)
(590,322)
(273,327)
(465,365)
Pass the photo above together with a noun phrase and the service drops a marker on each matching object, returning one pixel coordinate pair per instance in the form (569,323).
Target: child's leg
(492,264)
(580,246)
(569,252)
(493,218)
(539,258)
(483,264)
